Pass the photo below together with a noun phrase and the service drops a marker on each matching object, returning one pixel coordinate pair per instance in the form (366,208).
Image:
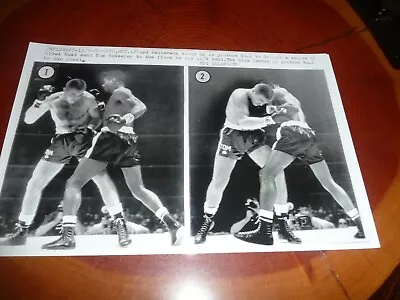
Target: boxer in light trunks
(295,139)
(75,114)
(116,145)
(242,134)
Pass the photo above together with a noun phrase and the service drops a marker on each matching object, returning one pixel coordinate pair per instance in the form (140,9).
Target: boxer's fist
(268,120)
(270,109)
(95,92)
(274,110)
(115,122)
(101,105)
(37,103)
(45,91)
(253,205)
(115,118)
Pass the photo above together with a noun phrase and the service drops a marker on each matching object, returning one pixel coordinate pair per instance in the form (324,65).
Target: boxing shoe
(360,233)
(66,241)
(205,228)
(261,235)
(175,230)
(122,232)
(284,232)
(18,237)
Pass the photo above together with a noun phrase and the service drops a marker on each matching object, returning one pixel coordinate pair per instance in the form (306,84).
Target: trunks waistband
(124,129)
(63,131)
(295,123)
(231,125)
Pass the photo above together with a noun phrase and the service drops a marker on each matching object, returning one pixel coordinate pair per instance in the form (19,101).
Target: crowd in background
(88,218)
(302,218)
(308,218)
(305,218)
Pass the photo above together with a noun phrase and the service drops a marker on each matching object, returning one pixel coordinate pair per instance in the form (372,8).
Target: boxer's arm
(38,109)
(45,228)
(139,108)
(94,113)
(95,229)
(252,123)
(79,228)
(289,103)
(239,225)
(134,228)
(286,99)
(324,224)
(321,224)
(242,114)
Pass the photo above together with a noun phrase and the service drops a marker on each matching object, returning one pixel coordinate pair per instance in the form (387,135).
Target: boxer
(116,145)
(295,139)
(241,134)
(75,114)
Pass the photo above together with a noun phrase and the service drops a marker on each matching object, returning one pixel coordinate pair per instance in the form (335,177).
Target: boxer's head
(74,89)
(112,80)
(261,94)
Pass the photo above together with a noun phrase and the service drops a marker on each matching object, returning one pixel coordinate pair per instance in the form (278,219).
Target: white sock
(281,209)
(353,213)
(210,210)
(266,215)
(115,209)
(27,219)
(161,212)
(69,221)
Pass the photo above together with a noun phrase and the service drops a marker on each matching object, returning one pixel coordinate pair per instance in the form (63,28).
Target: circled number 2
(203,76)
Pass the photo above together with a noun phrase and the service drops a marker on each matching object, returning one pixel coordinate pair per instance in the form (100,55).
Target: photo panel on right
(268,168)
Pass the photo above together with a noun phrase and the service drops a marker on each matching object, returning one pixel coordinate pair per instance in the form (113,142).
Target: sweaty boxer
(75,114)
(242,134)
(116,145)
(295,139)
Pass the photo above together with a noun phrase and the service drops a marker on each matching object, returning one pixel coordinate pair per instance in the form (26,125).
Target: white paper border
(36,53)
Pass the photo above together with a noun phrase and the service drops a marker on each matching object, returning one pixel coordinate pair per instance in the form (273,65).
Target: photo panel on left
(96,164)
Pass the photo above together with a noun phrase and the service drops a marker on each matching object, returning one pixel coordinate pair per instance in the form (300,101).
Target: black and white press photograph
(136,151)
(268,170)
(96,162)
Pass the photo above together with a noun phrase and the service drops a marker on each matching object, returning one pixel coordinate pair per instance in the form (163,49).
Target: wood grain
(370,90)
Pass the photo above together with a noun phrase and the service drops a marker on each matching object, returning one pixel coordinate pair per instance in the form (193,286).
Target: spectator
(51,225)
(306,220)
(106,226)
(343,223)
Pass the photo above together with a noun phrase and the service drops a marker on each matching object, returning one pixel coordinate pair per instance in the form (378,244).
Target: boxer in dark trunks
(295,139)
(242,134)
(75,114)
(115,144)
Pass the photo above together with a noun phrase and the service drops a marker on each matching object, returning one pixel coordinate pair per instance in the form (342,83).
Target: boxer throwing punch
(242,134)
(295,139)
(115,144)
(75,114)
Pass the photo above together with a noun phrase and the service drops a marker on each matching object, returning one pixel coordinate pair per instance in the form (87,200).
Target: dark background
(160,140)
(207,115)
(382,18)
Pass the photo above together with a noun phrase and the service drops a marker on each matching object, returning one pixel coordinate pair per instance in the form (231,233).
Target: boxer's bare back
(122,102)
(287,106)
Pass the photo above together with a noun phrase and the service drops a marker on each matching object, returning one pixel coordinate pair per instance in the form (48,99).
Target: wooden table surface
(370,90)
